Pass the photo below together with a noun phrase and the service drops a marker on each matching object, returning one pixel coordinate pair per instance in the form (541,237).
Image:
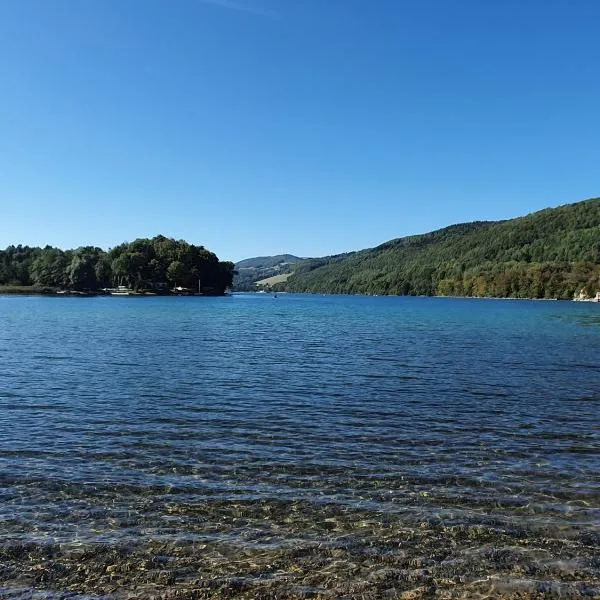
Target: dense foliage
(156,263)
(553,253)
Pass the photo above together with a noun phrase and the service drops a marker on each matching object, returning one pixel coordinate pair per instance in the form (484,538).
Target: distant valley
(264,271)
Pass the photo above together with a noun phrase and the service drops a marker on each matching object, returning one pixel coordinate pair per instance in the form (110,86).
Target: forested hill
(251,270)
(142,264)
(553,253)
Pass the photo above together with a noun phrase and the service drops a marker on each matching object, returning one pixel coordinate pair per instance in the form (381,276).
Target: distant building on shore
(583,297)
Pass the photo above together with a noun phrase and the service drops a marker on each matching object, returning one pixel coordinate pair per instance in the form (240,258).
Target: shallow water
(299,446)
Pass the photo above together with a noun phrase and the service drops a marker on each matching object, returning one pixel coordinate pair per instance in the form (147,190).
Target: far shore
(24,290)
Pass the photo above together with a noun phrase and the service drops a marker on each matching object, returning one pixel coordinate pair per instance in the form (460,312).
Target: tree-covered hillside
(142,264)
(552,253)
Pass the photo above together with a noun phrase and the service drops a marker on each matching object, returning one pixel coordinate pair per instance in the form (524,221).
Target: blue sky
(304,126)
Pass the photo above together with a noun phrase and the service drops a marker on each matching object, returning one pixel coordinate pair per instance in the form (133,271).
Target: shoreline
(18,290)
(55,293)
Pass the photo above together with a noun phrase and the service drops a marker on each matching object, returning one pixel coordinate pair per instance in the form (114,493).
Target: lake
(300,446)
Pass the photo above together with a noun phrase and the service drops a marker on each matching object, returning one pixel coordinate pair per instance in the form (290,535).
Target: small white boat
(121,290)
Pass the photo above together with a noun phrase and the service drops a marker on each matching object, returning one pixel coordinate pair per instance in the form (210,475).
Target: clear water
(299,446)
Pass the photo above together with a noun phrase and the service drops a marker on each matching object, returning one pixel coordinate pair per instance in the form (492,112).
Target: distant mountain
(553,253)
(251,270)
(267,261)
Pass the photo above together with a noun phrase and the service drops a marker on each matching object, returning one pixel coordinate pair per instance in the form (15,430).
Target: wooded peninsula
(553,253)
(157,265)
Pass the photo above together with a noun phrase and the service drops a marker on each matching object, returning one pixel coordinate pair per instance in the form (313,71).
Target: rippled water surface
(304,446)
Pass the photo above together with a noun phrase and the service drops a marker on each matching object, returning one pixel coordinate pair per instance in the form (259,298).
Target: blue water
(304,443)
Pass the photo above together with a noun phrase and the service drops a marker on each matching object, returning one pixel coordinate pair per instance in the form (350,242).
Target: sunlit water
(299,446)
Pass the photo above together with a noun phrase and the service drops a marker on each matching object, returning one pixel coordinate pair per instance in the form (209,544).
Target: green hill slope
(251,270)
(548,254)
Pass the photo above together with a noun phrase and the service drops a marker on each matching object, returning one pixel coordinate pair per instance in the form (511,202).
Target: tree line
(142,264)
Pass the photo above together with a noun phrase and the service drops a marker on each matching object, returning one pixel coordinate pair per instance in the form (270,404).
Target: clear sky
(306,126)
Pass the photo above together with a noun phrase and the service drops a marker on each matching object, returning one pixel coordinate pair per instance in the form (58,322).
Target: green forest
(553,253)
(144,264)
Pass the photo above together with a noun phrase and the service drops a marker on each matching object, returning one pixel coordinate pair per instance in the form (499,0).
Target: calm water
(299,446)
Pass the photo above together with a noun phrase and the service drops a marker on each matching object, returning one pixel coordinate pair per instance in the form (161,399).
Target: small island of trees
(159,265)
